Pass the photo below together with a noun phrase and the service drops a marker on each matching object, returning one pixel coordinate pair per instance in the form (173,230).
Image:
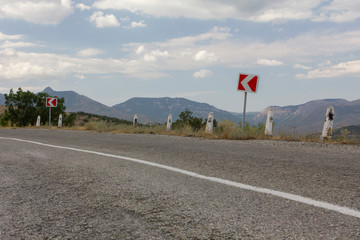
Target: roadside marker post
(51,102)
(136,120)
(38,121)
(328,124)
(60,121)
(210,123)
(247,83)
(269,123)
(169,123)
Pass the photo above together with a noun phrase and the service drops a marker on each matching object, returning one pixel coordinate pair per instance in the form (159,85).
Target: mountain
(304,118)
(309,117)
(148,109)
(75,102)
(158,109)
(2,99)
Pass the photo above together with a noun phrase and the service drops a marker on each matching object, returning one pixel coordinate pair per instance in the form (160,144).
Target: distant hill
(2,99)
(158,109)
(75,102)
(309,117)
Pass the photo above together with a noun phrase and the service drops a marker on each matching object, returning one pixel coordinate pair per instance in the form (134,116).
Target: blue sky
(113,50)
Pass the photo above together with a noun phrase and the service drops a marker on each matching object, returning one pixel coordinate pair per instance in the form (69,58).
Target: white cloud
(82,6)
(189,53)
(80,76)
(268,62)
(9,37)
(160,53)
(300,66)
(345,69)
(23,67)
(205,56)
(36,11)
(153,56)
(101,20)
(216,46)
(89,52)
(203,73)
(8,52)
(339,11)
(140,49)
(10,44)
(323,64)
(215,34)
(149,58)
(138,24)
(259,11)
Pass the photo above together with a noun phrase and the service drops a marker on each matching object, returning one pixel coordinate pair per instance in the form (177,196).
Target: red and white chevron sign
(51,102)
(248,82)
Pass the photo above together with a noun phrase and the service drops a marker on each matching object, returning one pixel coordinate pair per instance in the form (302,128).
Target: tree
(24,107)
(21,107)
(186,118)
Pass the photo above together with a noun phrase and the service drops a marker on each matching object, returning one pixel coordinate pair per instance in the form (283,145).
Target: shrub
(186,118)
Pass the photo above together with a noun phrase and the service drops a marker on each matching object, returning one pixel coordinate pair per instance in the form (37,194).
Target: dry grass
(225,130)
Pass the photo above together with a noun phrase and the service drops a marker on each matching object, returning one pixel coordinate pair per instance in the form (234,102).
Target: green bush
(69,120)
(186,118)
(24,107)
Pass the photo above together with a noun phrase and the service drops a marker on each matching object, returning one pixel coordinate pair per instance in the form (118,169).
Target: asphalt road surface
(82,185)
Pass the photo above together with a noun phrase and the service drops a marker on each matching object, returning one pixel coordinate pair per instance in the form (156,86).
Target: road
(85,185)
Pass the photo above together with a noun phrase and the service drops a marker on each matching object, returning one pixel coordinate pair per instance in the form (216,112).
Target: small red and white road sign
(248,82)
(51,102)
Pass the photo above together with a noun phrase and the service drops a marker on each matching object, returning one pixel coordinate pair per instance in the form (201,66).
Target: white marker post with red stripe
(247,83)
(51,102)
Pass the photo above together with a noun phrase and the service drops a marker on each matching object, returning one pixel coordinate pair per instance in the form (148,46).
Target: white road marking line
(289,196)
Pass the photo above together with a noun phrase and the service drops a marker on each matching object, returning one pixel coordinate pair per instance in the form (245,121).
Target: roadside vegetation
(189,126)
(22,109)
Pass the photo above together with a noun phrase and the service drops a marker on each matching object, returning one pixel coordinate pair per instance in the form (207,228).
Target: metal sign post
(51,102)
(243,117)
(50,117)
(247,83)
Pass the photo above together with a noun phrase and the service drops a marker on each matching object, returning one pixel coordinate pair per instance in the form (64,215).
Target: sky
(113,50)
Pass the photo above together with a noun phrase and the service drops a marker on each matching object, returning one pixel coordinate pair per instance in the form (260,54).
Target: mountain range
(308,117)
(157,109)
(149,110)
